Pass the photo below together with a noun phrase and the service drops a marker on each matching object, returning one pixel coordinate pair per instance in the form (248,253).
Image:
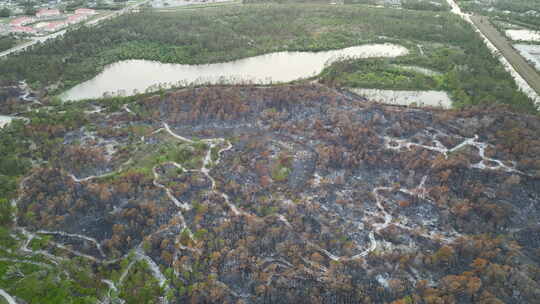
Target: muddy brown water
(132,76)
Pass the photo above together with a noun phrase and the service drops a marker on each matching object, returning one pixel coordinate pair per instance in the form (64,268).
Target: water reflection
(530,52)
(437,99)
(4,120)
(523,35)
(131,76)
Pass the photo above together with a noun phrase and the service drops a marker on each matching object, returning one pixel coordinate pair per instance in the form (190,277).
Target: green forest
(469,80)
(513,11)
(422,5)
(227,33)
(7,42)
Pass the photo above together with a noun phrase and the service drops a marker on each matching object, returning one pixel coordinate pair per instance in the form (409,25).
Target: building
(55,26)
(76,18)
(41,25)
(21,21)
(47,13)
(85,11)
(23,29)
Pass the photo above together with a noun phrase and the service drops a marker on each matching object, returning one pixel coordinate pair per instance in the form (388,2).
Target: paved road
(60,33)
(505,48)
(495,43)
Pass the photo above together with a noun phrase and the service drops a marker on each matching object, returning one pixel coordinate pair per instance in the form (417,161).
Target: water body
(129,76)
(523,35)
(519,80)
(418,69)
(4,120)
(438,99)
(531,52)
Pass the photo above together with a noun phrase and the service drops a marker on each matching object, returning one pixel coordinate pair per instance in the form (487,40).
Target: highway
(526,78)
(501,43)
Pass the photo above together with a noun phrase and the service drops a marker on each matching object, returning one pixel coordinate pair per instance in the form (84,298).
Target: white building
(21,21)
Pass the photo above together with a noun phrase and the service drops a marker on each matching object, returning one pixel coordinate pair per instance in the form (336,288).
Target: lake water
(418,69)
(530,52)
(129,76)
(437,99)
(523,35)
(4,120)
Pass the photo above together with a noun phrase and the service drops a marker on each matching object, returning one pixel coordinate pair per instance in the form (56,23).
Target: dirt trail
(7,297)
(519,63)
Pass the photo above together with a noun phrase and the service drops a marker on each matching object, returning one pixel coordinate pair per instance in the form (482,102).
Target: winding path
(396,144)
(8,298)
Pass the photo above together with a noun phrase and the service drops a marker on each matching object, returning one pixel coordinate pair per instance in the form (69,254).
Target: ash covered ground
(296,194)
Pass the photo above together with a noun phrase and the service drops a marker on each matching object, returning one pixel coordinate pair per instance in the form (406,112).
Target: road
(7,297)
(526,78)
(501,43)
(60,33)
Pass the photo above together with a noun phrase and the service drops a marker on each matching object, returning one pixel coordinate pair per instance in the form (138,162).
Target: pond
(132,76)
(414,68)
(530,52)
(523,35)
(4,120)
(437,99)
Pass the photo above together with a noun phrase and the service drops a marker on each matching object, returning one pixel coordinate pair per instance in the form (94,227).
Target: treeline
(286,1)
(468,73)
(13,165)
(378,73)
(518,6)
(514,11)
(7,42)
(425,5)
(421,5)
(216,35)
